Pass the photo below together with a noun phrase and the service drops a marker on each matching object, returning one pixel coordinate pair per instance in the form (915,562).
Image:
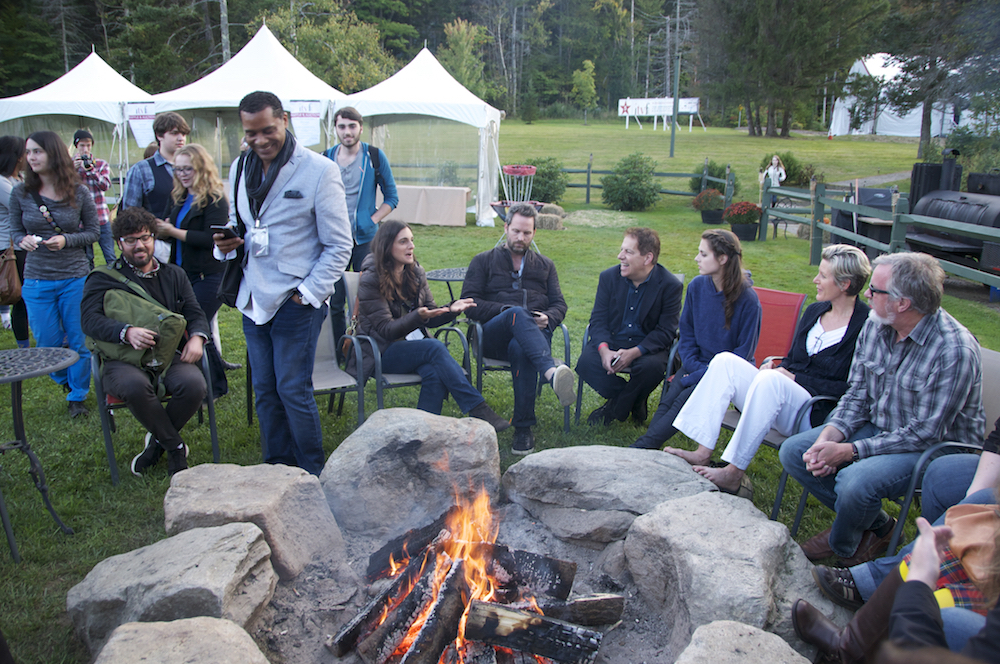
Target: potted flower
(744,219)
(710,203)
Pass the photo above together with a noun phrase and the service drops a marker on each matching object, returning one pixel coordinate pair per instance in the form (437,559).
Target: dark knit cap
(80,135)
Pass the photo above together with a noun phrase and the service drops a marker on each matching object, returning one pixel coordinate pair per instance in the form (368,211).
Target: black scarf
(258,186)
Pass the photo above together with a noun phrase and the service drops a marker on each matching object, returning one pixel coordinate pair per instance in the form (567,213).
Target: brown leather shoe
(818,546)
(872,546)
(814,628)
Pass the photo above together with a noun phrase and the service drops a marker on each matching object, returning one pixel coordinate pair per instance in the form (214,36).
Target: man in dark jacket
(519,303)
(632,326)
(134,230)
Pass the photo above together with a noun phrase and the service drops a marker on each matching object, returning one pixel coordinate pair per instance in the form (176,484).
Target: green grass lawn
(110,520)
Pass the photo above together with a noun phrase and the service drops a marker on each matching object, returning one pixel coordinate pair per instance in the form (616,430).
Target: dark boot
(485,413)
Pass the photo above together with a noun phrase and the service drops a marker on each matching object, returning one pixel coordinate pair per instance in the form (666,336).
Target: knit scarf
(258,186)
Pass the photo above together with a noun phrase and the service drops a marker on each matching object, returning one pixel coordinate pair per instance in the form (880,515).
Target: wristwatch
(854,453)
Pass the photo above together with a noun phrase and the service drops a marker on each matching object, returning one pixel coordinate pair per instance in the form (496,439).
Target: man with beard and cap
(519,303)
(134,229)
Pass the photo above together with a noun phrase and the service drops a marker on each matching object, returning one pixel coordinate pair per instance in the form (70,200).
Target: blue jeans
(960,625)
(339,298)
(661,428)
(107,243)
(439,373)
(945,482)
(206,291)
(281,353)
(854,492)
(514,336)
(868,576)
(54,309)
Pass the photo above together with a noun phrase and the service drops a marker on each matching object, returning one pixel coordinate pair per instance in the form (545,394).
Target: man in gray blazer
(297,244)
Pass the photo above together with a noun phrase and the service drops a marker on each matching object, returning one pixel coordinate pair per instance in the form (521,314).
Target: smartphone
(228,231)
(615,360)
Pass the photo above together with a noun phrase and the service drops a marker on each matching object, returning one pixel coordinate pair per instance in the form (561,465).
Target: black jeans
(661,429)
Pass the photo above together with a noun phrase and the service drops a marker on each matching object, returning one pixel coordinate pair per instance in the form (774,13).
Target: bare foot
(726,478)
(699,457)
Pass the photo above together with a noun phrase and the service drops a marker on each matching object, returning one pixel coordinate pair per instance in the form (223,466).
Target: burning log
(472,653)
(538,574)
(441,626)
(407,545)
(507,656)
(531,632)
(589,610)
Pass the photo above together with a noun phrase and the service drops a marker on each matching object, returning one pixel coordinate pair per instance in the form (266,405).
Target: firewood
(508,656)
(409,544)
(531,632)
(588,610)
(531,572)
(473,653)
(441,626)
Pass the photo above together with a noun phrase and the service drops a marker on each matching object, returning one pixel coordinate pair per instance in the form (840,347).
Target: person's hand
(607,355)
(770,364)
(785,372)
(626,357)
(826,456)
(427,314)
(925,563)
(163,228)
(55,243)
(458,306)
(225,244)
(193,349)
(78,163)
(541,320)
(28,243)
(140,338)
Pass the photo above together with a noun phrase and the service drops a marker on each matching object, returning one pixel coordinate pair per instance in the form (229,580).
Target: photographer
(96,174)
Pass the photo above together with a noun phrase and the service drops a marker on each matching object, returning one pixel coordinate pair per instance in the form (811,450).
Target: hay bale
(552,208)
(549,222)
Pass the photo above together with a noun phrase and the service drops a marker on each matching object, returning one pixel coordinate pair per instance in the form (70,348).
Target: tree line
(775,62)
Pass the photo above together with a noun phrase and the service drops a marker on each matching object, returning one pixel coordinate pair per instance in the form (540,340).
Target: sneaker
(837,583)
(177,460)
(5,319)
(524,441)
(76,409)
(563,380)
(150,455)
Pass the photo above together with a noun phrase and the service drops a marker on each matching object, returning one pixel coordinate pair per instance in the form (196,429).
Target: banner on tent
(140,121)
(305,121)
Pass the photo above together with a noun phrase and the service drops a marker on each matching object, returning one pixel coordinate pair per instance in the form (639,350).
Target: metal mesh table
(448,275)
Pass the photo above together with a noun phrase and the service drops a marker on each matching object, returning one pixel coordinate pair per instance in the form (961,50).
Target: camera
(88,161)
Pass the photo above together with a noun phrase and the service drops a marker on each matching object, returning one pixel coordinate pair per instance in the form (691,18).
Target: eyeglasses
(877,291)
(183,169)
(130,241)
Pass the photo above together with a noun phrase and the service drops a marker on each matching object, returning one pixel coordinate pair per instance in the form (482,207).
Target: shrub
(797,174)
(447,175)
(715,170)
(632,186)
(743,212)
(710,199)
(550,182)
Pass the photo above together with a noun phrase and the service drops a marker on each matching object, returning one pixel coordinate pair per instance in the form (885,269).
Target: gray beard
(881,320)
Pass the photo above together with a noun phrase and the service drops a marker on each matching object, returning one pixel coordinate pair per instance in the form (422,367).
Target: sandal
(745,490)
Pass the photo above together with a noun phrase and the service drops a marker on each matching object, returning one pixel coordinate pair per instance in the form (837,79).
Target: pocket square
(293,194)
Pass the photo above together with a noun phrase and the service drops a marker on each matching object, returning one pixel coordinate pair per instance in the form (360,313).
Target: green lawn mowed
(111,520)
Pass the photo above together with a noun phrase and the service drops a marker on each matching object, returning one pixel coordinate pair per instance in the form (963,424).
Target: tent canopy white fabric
(262,64)
(92,89)
(424,88)
(888,122)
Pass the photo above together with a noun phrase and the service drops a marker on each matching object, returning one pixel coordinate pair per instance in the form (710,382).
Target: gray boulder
(716,557)
(221,572)
(591,494)
(189,641)
(403,468)
(729,642)
(287,503)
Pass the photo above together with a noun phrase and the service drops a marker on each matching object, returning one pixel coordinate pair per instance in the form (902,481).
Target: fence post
(897,240)
(765,206)
(704,175)
(590,166)
(729,189)
(818,190)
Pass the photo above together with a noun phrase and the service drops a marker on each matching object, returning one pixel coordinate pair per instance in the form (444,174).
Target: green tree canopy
(462,55)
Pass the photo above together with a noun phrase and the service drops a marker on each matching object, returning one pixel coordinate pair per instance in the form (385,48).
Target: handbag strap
(44,209)
(139,290)
(240,226)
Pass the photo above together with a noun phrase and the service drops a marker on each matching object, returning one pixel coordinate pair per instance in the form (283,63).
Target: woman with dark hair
(12,163)
(818,363)
(199,197)
(395,308)
(53,218)
(721,313)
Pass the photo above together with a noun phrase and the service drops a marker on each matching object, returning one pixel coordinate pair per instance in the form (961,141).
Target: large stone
(403,468)
(729,642)
(188,641)
(716,557)
(592,493)
(287,503)
(221,572)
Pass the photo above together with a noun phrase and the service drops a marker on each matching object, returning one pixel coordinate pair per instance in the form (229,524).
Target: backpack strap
(373,154)
(139,290)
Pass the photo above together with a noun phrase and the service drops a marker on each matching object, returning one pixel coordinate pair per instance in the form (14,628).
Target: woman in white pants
(818,364)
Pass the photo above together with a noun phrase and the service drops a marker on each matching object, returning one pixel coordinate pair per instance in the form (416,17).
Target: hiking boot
(76,409)
(599,416)
(149,456)
(524,441)
(838,585)
(177,460)
(485,413)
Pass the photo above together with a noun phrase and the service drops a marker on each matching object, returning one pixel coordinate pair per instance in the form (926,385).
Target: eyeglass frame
(183,169)
(877,291)
(132,241)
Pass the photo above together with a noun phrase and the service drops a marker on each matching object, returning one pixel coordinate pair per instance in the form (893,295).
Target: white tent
(262,64)
(92,90)
(425,88)
(888,122)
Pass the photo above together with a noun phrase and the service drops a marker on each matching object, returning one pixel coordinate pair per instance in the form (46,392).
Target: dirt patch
(969,290)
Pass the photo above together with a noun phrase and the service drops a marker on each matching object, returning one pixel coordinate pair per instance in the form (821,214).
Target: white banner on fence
(659,107)
(140,120)
(305,121)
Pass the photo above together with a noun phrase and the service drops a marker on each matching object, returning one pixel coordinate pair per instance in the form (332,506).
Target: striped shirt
(918,391)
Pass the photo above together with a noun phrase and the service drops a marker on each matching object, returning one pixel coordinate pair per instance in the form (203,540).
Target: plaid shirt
(98,180)
(140,180)
(918,391)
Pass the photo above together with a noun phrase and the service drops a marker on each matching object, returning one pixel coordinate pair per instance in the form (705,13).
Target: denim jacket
(363,229)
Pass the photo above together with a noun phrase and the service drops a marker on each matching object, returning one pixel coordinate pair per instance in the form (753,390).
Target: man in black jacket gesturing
(134,231)
(519,303)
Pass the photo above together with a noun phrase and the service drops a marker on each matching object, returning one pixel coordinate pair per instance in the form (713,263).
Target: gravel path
(876,180)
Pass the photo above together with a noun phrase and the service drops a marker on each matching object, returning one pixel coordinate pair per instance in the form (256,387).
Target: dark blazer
(196,252)
(176,296)
(490,282)
(824,373)
(659,310)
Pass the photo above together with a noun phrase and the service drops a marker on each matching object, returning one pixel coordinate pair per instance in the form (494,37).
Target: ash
(305,612)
